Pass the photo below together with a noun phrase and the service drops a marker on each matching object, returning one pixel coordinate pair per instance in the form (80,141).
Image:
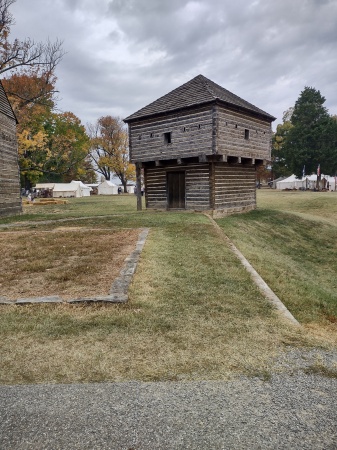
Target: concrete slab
(49,299)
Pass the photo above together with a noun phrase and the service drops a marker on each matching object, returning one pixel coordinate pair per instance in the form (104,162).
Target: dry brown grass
(70,262)
(193,313)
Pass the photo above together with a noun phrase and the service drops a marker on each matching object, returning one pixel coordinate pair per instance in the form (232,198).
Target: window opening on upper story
(184,129)
(199,126)
(168,138)
(236,125)
(151,135)
(139,137)
(246,134)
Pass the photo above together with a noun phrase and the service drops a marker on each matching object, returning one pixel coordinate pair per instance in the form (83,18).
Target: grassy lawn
(314,206)
(193,311)
(77,208)
(291,240)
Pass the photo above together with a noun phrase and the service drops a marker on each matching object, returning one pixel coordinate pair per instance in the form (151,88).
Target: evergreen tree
(312,138)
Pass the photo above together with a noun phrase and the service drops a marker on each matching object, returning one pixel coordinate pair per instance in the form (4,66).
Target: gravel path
(296,411)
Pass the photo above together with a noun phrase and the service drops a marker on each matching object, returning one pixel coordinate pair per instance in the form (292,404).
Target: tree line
(306,141)
(55,146)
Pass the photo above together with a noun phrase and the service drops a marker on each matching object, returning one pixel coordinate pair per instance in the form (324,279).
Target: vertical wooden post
(215,130)
(139,186)
(212,185)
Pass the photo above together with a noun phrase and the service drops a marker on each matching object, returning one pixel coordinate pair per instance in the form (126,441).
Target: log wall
(197,192)
(231,126)
(207,130)
(10,200)
(234,188)
(191,135)
(220,187)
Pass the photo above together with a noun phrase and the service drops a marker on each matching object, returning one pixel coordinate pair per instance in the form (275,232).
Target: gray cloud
(123,54)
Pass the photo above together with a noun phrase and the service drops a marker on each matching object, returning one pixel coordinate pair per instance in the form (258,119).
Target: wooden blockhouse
(10,199)
(199,146)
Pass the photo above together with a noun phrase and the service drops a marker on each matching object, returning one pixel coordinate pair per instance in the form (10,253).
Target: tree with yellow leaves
(109,149)
(52,146)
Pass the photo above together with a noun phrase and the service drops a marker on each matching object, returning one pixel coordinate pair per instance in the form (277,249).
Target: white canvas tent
(107,188)
(130,188)
(85,190)
(312,181)
(287,183)
(308,182)
(44,185)
(66,190)
(332,183)
(73,189)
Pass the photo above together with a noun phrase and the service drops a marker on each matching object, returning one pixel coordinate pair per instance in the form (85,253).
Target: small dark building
(199,146)
(10,200)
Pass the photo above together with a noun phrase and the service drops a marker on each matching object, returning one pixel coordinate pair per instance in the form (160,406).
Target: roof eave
(16,119)
(165,113)
(234,107)
(267,116)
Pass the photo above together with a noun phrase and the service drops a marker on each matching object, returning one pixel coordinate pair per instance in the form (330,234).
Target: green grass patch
(193,311)
(295,256)
(313,206)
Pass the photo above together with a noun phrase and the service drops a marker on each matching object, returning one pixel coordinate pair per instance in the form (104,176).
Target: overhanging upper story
(200,120)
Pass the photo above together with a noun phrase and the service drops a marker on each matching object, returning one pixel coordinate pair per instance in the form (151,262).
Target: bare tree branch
(27,53)
(21,56)
(6,17)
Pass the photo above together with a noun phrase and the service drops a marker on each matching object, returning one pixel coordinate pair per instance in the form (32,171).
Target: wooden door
(176,190)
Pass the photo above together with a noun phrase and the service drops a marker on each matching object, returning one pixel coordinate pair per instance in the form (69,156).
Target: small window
(199,126)
(139,137)
(246,134)
(167,138)
(151,135)
(184,129)
(236,125)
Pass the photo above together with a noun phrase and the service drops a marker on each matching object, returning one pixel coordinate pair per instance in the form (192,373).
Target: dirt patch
(68,262)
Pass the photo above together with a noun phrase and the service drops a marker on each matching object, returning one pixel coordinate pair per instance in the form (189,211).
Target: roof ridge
(208,87)
(199,90)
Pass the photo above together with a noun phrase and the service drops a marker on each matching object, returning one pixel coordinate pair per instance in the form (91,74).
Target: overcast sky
(124,54)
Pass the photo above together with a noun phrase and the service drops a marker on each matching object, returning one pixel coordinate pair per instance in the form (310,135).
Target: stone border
(258,280)
(119,289)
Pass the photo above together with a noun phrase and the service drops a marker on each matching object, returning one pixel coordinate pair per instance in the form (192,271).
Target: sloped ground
(193,311)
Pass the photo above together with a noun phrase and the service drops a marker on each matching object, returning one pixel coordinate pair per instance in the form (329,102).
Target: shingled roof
(197,91)
(5,106)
